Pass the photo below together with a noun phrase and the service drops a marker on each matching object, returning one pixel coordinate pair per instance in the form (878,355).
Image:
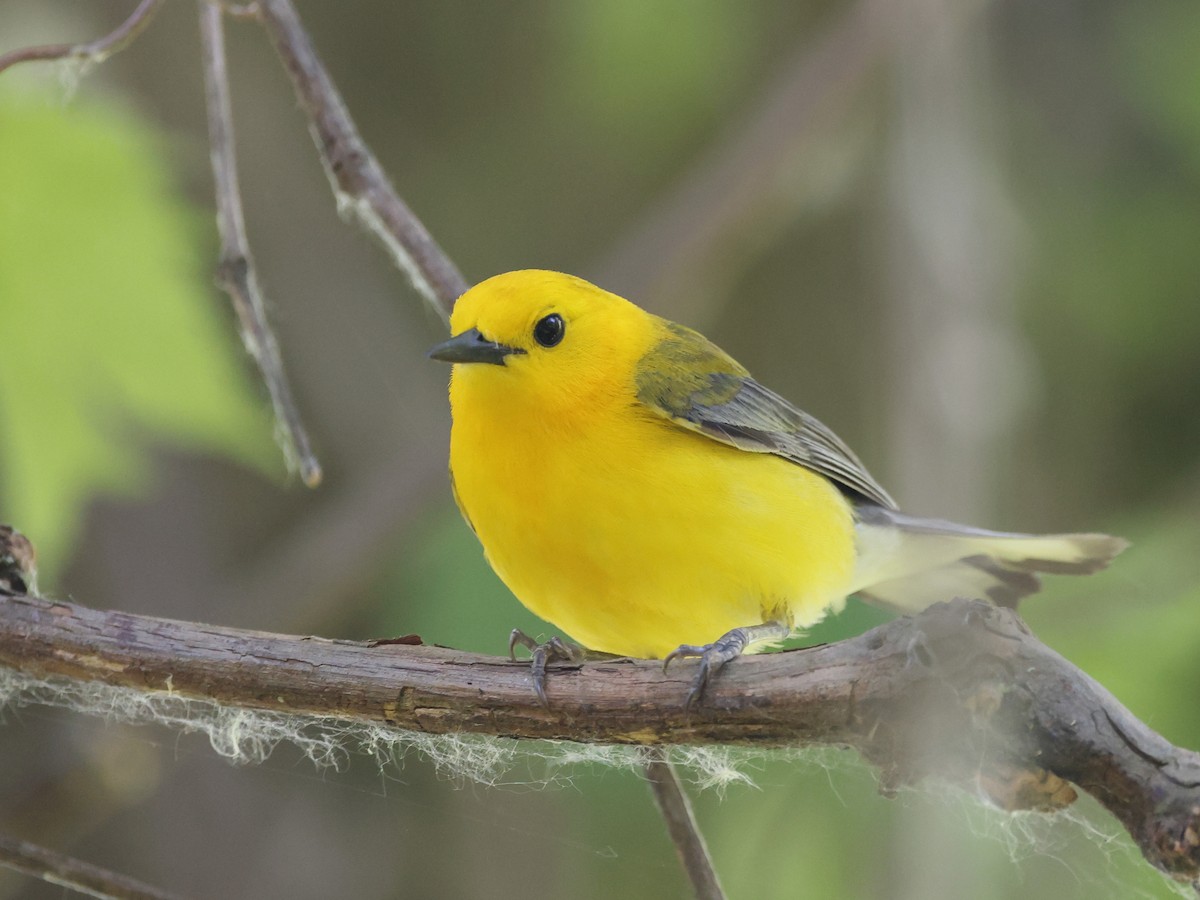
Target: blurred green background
(964,234)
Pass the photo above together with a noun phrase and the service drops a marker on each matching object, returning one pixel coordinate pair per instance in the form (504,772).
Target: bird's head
(544,338)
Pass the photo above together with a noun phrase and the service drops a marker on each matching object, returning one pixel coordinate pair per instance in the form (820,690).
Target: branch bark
(1012,719)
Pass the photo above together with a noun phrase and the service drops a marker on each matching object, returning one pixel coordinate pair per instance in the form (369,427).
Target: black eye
(549,330)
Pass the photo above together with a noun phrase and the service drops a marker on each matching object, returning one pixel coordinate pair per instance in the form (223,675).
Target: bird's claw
(553,650)
(730,645)
(712,658)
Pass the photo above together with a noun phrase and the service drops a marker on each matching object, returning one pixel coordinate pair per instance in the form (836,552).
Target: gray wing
(694,383)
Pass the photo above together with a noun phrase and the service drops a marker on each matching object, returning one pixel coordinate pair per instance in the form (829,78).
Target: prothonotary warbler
(634,486)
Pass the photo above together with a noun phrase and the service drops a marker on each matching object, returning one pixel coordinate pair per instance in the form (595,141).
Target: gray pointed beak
(472,347)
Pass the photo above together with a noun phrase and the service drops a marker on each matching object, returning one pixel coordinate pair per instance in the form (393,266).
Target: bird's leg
(555,649)
(728,646)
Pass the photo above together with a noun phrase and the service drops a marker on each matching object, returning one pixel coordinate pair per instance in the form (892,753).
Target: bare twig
(236,271)
(91,52)
(677,812)
(358,180)
(74,874)
(1020,722)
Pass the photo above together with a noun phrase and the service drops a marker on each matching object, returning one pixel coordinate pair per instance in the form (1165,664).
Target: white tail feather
(907,564)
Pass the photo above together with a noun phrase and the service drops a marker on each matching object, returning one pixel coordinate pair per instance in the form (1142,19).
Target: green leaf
(113,336)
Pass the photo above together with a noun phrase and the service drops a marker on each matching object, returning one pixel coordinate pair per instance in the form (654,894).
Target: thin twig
(358,180)
(677,812)
(91,52)
(75,874)
(236,271)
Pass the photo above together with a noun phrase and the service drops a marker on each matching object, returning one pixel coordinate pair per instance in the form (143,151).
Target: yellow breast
(634,535)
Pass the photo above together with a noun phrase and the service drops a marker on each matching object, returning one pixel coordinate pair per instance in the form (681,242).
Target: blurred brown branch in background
(1013,719)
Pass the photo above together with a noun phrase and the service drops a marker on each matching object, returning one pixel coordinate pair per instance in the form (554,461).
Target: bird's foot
(553,650)
(714,656)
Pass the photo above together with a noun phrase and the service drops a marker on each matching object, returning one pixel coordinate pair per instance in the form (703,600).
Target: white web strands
(249,736)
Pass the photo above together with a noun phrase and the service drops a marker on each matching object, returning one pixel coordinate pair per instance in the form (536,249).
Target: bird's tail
(906,563)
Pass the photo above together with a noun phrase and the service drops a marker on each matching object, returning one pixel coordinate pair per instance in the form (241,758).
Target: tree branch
(1012,718)
(90,52)
(358,180)
(75,874)
(236,272)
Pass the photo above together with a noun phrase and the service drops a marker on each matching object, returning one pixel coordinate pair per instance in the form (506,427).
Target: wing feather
(689,380)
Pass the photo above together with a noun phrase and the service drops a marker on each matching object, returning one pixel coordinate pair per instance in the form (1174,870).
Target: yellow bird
(634,486)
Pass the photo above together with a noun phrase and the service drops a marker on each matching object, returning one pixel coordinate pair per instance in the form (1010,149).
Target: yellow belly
(638,538)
